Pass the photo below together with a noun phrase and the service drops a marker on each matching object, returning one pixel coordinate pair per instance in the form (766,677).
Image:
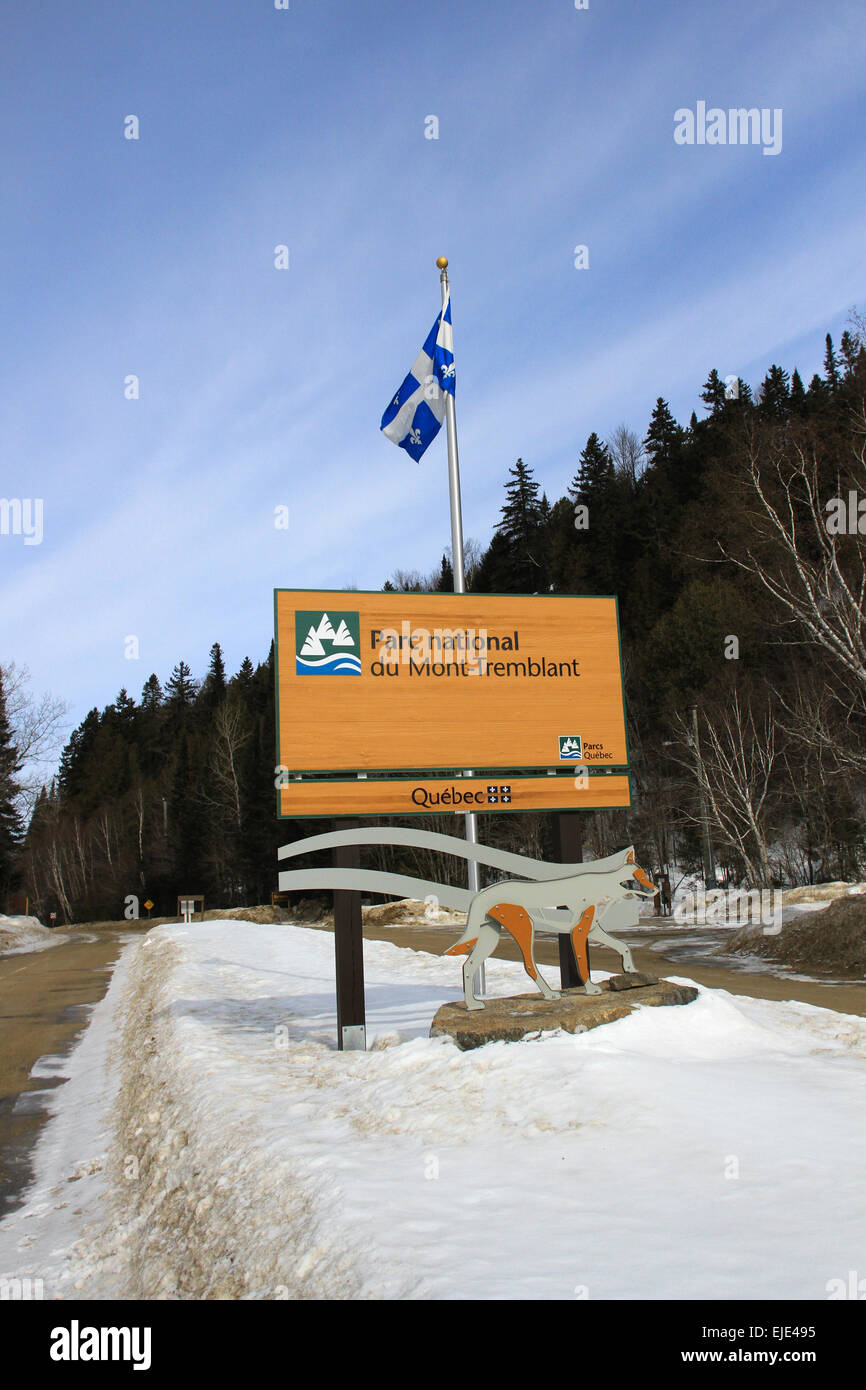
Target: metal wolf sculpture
(606,891)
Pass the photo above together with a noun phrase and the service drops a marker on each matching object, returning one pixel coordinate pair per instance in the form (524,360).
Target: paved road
(44,1007)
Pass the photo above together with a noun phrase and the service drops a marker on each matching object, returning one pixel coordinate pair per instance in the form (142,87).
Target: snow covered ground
(19,934)
(712,1151)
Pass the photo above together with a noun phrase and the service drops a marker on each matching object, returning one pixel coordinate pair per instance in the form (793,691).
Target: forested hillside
(735,544)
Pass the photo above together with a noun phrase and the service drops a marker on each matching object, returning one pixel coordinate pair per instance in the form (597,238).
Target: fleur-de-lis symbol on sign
(449,370)
(414,436)
(396,400)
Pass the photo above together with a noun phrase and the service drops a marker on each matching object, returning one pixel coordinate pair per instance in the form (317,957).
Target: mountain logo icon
(327,644)
(570,748)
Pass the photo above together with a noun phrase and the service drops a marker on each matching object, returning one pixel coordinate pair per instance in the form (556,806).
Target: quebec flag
(415,415)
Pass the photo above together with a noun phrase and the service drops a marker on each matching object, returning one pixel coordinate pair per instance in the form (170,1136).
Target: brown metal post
(568,847)
(349,951)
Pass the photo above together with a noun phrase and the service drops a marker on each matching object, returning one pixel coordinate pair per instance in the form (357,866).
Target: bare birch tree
(37,727)
(628,454)
(816,575)
(737,767)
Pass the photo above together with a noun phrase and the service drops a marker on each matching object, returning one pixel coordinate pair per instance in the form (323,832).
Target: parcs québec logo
(327,644)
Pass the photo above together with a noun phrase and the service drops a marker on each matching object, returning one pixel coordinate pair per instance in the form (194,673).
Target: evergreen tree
(664,436)
(185,824)
(714,393)
(180,688)
(774,397)
(76,760)
(496,572)
(445,578)
(595,474)
(213,690)
(151,694)
(567,559)
(832,375)
(124,707)
(521,527)
(521,511)
(817,395)
(595,492)
(798,394)
(245,674)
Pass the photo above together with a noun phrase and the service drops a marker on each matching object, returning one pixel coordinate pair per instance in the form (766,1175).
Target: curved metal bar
(403,886)
(447,844)
(372,881)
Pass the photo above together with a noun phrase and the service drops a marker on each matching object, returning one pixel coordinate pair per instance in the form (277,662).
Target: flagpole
(458,567)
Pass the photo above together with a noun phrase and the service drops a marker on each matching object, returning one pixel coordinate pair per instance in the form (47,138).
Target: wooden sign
(442,682)
(408,796)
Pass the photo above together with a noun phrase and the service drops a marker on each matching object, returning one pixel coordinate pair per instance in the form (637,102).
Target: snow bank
(830,940)
(712,1151)
(823,892)
(773,908)
(69,1191)
(19,934)
(414,913)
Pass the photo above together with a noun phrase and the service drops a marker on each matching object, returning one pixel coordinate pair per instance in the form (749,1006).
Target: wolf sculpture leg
(605,939)
(517,921)
(484,946)
(580,942)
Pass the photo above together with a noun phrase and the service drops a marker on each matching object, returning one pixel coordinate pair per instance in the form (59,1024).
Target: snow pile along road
(708,1151)
(19,934)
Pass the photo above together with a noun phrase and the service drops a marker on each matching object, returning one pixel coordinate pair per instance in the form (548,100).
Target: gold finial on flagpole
(442,262)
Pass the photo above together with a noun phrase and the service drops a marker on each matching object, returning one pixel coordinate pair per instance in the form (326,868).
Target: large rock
(513,1018)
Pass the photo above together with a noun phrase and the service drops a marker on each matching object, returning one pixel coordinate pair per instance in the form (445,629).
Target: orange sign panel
(409,796)
(384,681)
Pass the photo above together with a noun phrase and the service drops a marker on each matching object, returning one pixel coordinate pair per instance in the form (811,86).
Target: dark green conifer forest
(736,546)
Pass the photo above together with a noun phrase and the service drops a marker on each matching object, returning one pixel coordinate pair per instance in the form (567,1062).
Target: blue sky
(262,387)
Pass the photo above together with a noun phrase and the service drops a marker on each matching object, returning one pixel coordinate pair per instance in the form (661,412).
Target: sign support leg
(349,952)
(568,844)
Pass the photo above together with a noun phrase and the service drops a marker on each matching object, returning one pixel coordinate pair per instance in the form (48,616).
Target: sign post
(568,847)
(349,952)
(458,569)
